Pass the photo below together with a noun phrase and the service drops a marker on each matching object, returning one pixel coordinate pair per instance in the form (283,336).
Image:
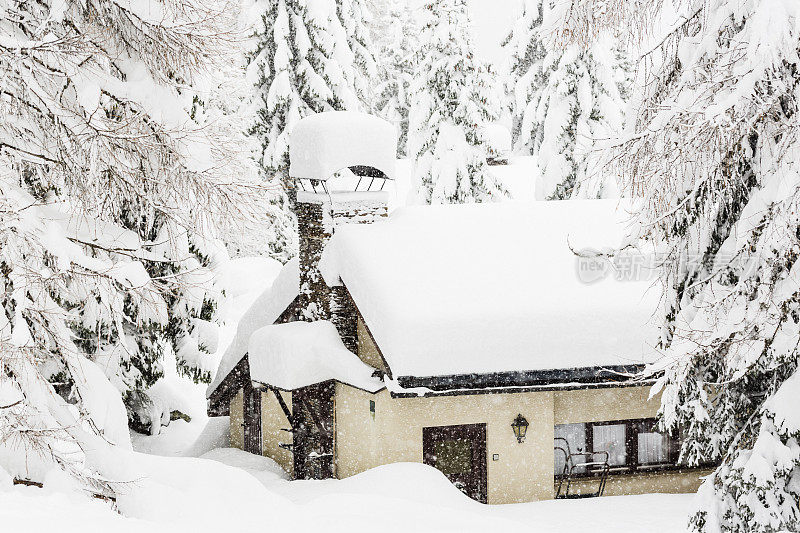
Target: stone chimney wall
(318,216)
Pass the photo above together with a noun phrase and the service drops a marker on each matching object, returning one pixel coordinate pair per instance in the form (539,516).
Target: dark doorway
(252,420)
(459,452)
(312,415)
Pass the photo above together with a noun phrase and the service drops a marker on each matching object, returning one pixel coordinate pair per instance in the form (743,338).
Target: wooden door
(252,420)
(459,452)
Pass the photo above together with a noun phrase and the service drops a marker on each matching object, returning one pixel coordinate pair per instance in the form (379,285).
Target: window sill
(641,469)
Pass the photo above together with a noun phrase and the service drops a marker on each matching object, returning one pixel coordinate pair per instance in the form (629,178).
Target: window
(653,447)
(630,445)
(570,438)
(609,438)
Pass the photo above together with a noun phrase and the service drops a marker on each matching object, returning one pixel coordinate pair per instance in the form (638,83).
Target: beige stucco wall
(367,351)
(595,405)
(395,435)
(273,420)
(524,472)
(237,418)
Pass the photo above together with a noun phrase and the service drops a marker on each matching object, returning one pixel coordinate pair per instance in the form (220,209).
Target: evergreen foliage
(452,103)
(117,167)
(311,56)
(395,33)
(564,99)
(713,151)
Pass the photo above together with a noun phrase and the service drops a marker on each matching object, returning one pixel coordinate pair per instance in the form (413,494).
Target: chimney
(320,147)
(318,216)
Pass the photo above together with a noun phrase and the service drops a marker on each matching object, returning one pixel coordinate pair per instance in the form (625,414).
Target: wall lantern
(520,427)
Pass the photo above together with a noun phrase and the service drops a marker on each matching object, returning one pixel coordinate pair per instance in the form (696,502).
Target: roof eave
(525,381)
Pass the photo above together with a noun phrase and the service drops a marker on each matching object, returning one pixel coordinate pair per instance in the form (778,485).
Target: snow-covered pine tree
(362,75)
(714,151)
(110,193)
(563,100)
(452,101)
(306,60)
(227,103)
(395,33)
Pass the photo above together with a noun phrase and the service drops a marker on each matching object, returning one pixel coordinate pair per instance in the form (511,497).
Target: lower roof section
(526,381)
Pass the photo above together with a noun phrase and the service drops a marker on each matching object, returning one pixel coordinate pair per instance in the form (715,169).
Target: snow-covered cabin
(494,342)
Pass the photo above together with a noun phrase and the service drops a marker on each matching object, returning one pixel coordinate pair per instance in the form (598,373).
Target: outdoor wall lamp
(520,427)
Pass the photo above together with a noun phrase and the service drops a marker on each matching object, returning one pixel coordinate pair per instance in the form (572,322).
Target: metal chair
(593,462)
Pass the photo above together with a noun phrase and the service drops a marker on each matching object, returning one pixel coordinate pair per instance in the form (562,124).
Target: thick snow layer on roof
(324,143)
(494,287)
(298,354)
(265,310)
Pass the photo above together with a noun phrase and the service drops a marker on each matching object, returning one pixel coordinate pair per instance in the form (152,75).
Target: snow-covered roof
(298,354)
(264,311)
(324,143)
(449,290)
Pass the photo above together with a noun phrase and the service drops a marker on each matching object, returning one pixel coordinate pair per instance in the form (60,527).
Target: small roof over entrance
(325,143)
(298,354)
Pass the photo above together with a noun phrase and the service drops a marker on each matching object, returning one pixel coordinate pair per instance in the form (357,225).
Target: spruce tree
(356,19)
(564,99)
(306,60)
(713,152)
(452,101)
(395,33)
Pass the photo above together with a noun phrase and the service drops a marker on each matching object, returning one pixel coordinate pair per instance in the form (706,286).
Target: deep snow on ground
(412,494)
(183,438)
(230,490)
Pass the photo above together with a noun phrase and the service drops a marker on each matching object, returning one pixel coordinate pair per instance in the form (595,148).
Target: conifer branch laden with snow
(713,152)
(564,100)
(453,100)
(395,33)
(310,56)
(117,167)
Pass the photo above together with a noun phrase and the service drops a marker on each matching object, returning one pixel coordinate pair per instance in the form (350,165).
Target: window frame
(633,427)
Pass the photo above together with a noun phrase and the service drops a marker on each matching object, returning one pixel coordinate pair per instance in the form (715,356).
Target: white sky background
(491,20)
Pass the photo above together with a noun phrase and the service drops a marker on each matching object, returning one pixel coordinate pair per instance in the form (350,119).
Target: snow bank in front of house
(298,354)
(324,143)
(263,311)
(419,497)
(161,494)
(495,287)
(230,490)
